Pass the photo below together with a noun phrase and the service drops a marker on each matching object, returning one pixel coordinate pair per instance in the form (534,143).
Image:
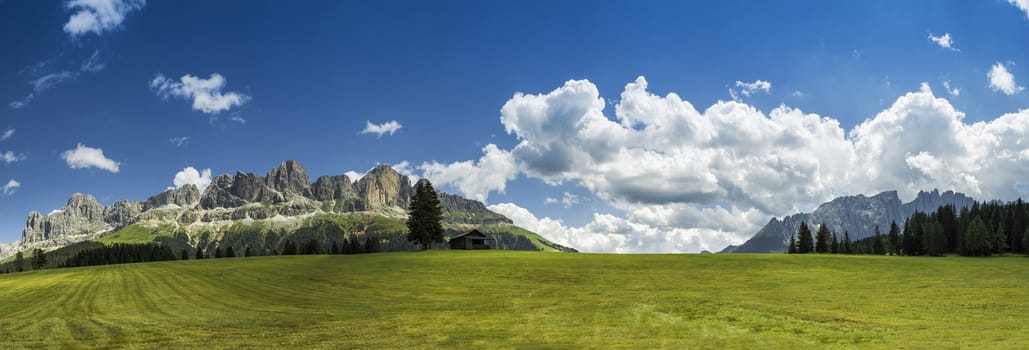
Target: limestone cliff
(285,192)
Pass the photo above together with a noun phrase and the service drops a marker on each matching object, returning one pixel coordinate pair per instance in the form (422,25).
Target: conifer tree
(424,216)
(822,239)
(218,253)
(793,245)
(355,246)
(290,248)
(200,253)
(835,247)
(935,239)
(334,249)
(805,243)
(894,239)
(229,253)
(38,259)
(1025,241)
(371,245)
(877,243)
(19,262)
(845,245)
(185,254)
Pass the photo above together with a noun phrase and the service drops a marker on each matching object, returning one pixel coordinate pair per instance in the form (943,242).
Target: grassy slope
(134,233)
(447,299)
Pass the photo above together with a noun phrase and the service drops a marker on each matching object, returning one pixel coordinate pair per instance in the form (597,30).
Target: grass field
(450,299)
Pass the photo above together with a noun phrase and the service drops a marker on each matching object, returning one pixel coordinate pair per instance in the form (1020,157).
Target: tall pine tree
(805,243)
(793,245)
(877,244)
(822,239)
(835,244)
(424,216)
(845,247)
(894,239)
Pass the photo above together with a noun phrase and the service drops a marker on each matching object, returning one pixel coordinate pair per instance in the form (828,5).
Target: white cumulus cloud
(190,175)
(98,16)
(87,157)
(206,94)
(748,89)
(715,176)
(1002,80)
(1022,5)
(353,175)
(389,127)
(944,41)
(476,179)
(10,187)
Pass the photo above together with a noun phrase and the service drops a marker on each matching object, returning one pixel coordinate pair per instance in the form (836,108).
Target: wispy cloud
(179,141)
(92,64)
(11,157)
(98,16)
(7,134)
(10,187)
(953,91)
(206,94)
(389,127)
(42,84)
(944,41)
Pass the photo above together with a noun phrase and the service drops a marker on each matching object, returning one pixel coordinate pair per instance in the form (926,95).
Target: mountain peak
(856,214)
(289,177)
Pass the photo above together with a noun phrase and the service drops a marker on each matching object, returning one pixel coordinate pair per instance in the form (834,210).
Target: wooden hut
(471,240)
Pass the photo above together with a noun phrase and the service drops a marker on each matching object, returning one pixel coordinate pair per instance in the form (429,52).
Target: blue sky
(309,76)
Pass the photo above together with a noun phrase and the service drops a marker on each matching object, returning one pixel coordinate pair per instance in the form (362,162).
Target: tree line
(984,229)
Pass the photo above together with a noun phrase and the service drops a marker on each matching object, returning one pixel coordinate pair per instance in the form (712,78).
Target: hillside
(247,210)
(858,215)
(523,299)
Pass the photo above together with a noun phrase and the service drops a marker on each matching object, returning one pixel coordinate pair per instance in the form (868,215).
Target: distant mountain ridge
(858,215)
(286,192)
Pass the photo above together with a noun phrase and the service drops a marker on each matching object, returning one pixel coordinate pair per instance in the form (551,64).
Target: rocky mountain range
(858,215)
(285,193)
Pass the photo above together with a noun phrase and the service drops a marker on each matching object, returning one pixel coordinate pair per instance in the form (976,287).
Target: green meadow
(504,299)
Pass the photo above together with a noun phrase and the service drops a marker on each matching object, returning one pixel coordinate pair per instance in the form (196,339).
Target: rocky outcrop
(185,196)
(82,215)
(286,191)
(123,213)
(857,215)
(35,228)
(219,194)
(289,178)
(234,191)
(252,189)
(337,187)
(384,187)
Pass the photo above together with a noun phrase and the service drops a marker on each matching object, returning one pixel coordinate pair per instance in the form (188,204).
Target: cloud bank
(711,177)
